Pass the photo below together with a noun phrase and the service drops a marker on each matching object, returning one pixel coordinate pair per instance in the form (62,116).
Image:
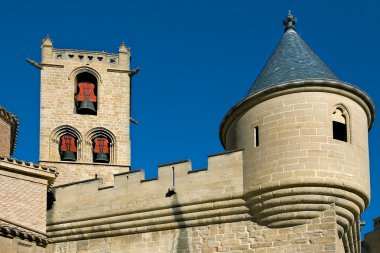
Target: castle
(294,176)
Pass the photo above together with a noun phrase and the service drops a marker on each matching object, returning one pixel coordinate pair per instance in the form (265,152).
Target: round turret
(305,139)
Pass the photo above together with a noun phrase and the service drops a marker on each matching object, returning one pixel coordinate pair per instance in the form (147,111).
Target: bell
(68,156)
(87,107)
(101,157)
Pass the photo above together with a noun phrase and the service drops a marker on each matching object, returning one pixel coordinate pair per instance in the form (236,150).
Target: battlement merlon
(223,180)
(54,56)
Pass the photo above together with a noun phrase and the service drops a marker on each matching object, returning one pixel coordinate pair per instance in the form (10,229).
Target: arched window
(340,124)
(65,144)
(68,148)
(101,149)
(103,144)
(86,94)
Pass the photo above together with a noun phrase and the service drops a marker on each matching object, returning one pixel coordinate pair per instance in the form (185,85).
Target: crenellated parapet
(54,57)
(135,204)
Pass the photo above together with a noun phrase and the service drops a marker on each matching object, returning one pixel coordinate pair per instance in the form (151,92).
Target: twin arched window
(98,147)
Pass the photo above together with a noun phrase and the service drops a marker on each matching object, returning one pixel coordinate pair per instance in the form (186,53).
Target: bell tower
(85,112)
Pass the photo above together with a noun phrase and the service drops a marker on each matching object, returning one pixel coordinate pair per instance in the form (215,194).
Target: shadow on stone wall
(180,239)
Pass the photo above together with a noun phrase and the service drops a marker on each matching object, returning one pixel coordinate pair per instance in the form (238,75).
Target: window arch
(340,124)
(66,142)
(102,142)
(86,89)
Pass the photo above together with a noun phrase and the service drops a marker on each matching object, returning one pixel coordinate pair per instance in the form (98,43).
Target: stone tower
(304,134)
(85,112)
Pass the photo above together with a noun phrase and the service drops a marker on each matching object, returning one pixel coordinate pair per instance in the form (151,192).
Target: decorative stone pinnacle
(123,48)
(290,22)
(47,41)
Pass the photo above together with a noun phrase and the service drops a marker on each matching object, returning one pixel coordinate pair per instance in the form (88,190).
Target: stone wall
(5,138)
(296,142)
(23,200)
(134,203)
(76,170)
(14,245)
(371,241)
(23,203)
(299,169)
(207,213)
(243,236)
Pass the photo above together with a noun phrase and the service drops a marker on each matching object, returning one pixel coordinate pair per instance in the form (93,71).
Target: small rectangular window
(256,135)
(339,131)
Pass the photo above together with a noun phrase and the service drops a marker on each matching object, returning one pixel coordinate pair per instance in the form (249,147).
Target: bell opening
(68,148)
(86,94)
(101,150)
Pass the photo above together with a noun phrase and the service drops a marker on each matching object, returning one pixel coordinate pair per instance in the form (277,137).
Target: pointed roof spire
(292,60)
(290,22)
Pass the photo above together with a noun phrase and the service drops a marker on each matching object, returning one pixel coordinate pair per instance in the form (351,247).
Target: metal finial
(290,21)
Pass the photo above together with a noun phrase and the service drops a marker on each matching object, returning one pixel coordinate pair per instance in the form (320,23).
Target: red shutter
(86,92)
(101,145)
(68,143)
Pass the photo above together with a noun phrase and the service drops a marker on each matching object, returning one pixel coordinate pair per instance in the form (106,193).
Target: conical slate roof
(292,60)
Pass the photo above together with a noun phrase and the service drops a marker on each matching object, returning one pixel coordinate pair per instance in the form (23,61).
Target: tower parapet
(52,56)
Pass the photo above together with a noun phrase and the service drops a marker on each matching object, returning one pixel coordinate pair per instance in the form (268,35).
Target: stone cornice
(11,230)
(52,65)
(29,168)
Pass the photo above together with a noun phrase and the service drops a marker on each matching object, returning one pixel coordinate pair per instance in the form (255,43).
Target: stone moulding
(83,69)
(154,219)
(281,207)
(152,228)
(11,230)
(153,212)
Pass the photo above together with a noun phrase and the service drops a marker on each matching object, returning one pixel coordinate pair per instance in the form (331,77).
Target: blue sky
(197,59)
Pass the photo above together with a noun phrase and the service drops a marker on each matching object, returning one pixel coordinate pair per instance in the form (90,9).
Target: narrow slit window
(256,135)
(339,125)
